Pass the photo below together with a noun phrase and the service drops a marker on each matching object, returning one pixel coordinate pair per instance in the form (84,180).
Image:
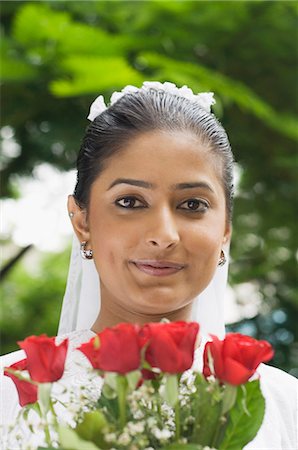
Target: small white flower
(162,435)
(138,415)
(129,89)
(124,439)
(186,92)
(96,108)
(110,437)
(206,100)
(209,448)
(170,87)
(152,85)
(151,422)
(135,428)
(116,96)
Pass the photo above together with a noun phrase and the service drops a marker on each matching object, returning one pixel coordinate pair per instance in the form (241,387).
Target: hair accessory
(85,254)
(96,108)
(222,259)
(205,99)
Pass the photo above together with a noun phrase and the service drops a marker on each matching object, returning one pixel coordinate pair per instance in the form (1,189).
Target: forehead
(164,158)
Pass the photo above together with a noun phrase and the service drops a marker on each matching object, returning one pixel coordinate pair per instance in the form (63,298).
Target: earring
(71,214)
(222,259)
(86,254)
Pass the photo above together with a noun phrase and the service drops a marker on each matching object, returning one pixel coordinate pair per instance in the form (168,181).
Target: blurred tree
(57,56)
(31,299)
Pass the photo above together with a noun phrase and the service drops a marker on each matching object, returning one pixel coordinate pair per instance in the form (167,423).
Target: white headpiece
(205,100)
(81,303)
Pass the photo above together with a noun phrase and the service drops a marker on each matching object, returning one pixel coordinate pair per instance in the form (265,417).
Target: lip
(157,268)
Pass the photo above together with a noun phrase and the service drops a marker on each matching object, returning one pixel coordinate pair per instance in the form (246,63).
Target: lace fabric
(75,387)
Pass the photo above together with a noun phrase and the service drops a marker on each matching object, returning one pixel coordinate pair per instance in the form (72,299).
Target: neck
(112,314)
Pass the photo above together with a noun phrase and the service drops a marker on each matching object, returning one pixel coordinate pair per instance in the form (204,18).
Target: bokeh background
(57,56)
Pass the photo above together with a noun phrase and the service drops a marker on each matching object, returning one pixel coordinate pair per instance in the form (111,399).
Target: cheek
(110,241)
(203,248)
(204,236)
(203,245)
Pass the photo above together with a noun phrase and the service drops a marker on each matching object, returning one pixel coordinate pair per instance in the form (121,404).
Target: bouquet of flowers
(150,397)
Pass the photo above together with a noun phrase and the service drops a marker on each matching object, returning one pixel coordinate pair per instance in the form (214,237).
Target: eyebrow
(139,183)
(175,187)
(196,184)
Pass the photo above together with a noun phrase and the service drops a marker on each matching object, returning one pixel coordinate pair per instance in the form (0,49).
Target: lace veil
(81,303)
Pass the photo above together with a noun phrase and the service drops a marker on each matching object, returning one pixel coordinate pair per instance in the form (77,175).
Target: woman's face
(157,223)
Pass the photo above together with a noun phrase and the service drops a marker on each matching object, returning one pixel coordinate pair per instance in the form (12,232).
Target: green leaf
(49,448)
(133,379)
(108,392)
(206,409)
(110,380)
(182,447)
(112,71)
(92,428)
(37,24)
(13,69)
(71,441)
(229,398)
(201,78)
(242,428)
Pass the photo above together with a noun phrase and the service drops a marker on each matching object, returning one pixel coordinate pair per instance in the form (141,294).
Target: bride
(151,212)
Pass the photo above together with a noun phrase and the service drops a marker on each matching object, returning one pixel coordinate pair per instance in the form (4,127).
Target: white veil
(81,303)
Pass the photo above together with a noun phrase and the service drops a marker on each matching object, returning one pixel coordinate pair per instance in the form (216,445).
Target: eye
(129,202)
(195,205)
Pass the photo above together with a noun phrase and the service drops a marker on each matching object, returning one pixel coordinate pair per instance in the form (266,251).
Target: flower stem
(177,421)
(47,434)
(43,416)
(121,388)
(54,414)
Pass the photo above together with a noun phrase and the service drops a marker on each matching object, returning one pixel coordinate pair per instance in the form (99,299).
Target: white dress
(279,430)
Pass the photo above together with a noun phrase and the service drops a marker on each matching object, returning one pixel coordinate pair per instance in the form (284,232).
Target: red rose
(27,391)
(115,349)
(170,345)
(45,359)
(236,358)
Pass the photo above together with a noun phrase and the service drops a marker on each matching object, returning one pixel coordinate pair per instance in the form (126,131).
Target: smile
(158,268)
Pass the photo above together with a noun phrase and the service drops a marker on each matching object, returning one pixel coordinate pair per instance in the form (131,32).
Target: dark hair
(143,111)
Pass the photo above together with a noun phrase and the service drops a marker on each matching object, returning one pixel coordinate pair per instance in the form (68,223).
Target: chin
(161,302)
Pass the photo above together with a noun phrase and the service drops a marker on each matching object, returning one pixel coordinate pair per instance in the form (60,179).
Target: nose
(162,231)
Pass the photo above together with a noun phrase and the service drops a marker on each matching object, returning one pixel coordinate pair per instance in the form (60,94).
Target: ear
(227,236)
(78,218)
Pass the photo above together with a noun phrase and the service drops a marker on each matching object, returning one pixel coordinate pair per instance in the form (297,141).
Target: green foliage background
(58,55)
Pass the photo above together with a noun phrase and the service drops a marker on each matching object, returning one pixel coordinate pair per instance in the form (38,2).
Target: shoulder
(278,383)
(75,362)
(11,358)
(75,339)
(279,429)
(279,389)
